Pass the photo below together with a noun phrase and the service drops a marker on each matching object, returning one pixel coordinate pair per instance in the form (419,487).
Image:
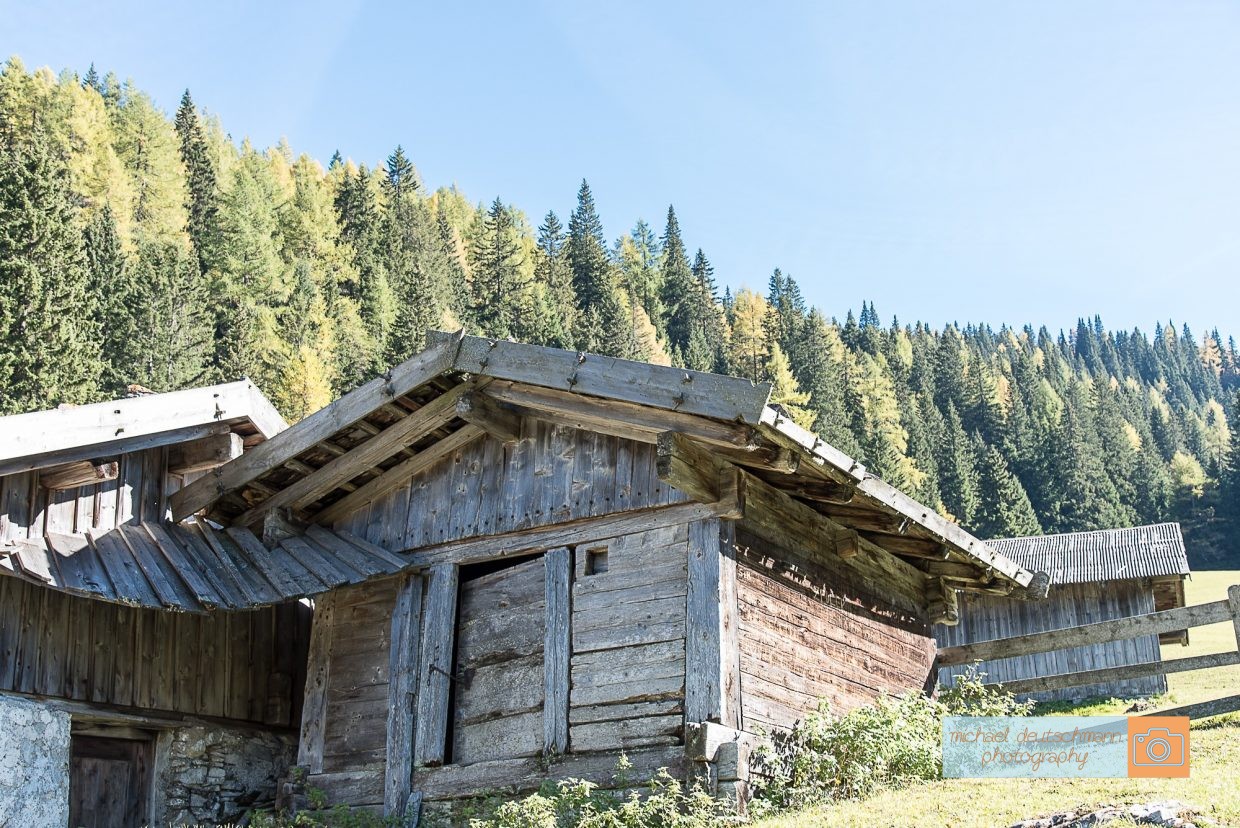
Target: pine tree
(118,305)
(1003,509)
(680,291)
(959,470)
(50,352)
(501,306)
(553,277)
(603,325)
(202,201)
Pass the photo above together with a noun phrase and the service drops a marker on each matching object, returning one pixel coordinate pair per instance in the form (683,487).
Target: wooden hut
(523,562)
(139,681)
(597,556)
(1095,576)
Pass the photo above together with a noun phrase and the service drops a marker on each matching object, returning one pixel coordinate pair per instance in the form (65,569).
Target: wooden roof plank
(129,583)
(287,575)
(41,433)
(331,572)
(378,448)
(257,583)
(398,475)
(172,592)
(673,389)
(79,565)
(187,567)
(394,562)
(320,425)
(204,569)
(223,575)
(35,561)
(331,544)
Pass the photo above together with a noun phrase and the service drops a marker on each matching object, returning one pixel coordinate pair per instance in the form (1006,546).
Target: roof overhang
(462,388)
(41,439)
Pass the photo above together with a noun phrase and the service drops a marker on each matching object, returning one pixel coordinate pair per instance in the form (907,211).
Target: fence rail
(1117,629)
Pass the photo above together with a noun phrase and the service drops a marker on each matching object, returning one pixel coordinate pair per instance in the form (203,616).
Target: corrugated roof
(1105,555)
(195,568)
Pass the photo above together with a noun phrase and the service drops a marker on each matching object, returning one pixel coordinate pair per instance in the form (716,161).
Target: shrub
(890,744)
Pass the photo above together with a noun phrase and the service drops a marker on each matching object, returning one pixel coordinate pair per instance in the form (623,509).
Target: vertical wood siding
(245,666)
(553,474)
(1068,605)
(809,629)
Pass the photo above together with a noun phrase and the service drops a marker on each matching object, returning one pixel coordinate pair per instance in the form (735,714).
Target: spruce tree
(202,201)
(501,304)
(680,291)
(602,324)
(50,350)
(1003,508)
(119,303)
(553,277)
(959,470)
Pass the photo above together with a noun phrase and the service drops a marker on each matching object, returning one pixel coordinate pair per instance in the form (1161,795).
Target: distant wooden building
(1095,576)
(523,562)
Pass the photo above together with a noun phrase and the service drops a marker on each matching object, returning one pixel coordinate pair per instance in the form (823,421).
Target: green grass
(1212,788)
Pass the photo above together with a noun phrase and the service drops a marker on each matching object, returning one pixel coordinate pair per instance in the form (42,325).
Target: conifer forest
(141,248)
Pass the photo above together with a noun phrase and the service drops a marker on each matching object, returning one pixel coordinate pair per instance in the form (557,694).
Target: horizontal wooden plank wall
(628,641)
(985,617)
(553,474)
(139,492)
(247,666)
(810,628)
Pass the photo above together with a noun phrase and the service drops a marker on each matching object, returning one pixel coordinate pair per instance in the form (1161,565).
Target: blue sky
(992,161)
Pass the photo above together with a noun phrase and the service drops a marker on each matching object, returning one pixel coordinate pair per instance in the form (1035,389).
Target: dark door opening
(109,782)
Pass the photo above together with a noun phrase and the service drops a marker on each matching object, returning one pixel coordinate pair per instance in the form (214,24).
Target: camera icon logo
(1158,746)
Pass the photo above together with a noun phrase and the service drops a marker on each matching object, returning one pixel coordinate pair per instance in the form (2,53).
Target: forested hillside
(139,248)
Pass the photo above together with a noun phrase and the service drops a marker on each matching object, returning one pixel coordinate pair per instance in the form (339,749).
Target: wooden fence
(1117,629)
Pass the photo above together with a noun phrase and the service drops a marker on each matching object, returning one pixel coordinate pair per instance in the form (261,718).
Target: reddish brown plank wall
(811,627)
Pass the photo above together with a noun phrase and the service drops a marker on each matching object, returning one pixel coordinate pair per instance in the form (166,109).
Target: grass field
(1213,788)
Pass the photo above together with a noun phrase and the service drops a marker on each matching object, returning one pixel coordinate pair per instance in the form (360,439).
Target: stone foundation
(34,756)
(216,774)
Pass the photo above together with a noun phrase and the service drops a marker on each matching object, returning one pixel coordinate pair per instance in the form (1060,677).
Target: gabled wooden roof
(41,439)
(194,568)
(461,388)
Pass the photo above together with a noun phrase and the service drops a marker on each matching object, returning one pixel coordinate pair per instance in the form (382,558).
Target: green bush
(664,803)
(890,744)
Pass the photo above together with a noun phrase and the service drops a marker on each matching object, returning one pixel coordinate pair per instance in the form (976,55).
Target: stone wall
(34,756)
(216,774)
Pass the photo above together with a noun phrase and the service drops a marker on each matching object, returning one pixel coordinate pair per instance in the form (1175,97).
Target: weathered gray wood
(626,734)
(1202,710)
(128,582)
(729,628)
(187,568)
(1233,596)
(319,426)
(43,438)
(1097,633)
(306,491)
(398,475)
(480,410)
(557,650)
(704,625)
(159,573)
(620,419)
(570,533)
(522,775)
(689,467)
(434,685)
(318,674)
(78,473)
(1044,684)
(205,453)
(723,398)
(402,691)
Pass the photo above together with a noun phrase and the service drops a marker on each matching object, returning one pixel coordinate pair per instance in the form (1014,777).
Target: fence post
(1233,594)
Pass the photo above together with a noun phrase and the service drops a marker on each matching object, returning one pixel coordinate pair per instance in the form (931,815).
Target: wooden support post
(402,691)
(205,453)
(435,681)
(711,684)
(318,668)
(480,410)
(942,603)
(729,627)
(688,466)
(556,650)
(1233,595)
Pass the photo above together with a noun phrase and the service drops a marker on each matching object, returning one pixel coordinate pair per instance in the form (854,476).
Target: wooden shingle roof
(1104,555)
(193,567)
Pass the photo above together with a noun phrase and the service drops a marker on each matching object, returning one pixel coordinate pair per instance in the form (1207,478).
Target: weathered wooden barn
(1095,576)
(522,562)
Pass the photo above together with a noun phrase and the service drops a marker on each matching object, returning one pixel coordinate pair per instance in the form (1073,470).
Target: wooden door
(109,782)
(498,688)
